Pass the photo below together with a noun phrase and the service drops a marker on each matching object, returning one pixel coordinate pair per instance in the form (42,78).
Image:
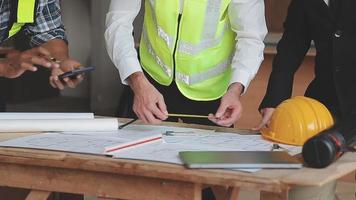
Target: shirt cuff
(241,76)
(127,67)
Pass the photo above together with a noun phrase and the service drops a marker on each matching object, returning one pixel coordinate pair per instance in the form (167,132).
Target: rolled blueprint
(104,124)
(41,115)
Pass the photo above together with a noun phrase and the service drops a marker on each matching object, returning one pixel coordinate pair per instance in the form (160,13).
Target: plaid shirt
(47,26)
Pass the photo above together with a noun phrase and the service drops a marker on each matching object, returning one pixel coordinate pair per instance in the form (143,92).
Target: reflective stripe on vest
(189,80)
(199,77)
(165,67)
(208,35)
(25,14)
(199,46)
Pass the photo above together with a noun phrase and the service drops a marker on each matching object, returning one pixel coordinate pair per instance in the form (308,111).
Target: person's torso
(15,15)
(189,42)
(324,25)
(334,36)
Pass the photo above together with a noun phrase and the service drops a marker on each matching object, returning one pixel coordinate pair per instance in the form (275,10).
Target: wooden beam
(104,185)
(71,161)
(38,195)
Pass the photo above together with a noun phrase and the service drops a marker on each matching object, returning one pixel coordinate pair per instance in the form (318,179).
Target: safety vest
(194,48)
(25,13)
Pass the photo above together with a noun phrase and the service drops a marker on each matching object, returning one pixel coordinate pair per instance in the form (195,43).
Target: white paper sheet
(79,142)
(58,125)
(169,150)
(24,115)
(182,139)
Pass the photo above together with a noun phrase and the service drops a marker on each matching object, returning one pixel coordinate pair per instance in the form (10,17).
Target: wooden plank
(105,185)
(38,195)
(141,168)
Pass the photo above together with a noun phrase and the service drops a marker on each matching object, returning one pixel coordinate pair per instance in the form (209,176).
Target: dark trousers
(176,103)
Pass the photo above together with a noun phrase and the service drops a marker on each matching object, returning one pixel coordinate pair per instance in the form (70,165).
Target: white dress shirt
(327,2)
(247,18)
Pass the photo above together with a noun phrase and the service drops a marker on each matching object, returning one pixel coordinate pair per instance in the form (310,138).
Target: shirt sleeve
(118,35)
(247,19)
(48,23)
(291,51)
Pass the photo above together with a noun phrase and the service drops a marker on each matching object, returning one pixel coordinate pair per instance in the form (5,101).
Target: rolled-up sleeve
(48,23)
(247,18)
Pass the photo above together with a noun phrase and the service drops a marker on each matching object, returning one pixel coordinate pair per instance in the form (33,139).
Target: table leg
(38,195)
(226,193)
(233,193)
(274,196)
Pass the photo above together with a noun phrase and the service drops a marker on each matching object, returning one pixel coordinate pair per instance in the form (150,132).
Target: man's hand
(266,116)
(66,65)
(230,109)
(149,104)
(15,65)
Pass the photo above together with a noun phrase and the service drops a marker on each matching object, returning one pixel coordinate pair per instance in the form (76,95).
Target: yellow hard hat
(296,120)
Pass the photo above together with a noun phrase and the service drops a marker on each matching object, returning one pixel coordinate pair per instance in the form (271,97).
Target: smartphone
(74,73)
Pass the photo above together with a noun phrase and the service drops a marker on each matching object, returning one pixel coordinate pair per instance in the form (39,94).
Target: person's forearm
(135,79)
(58,49)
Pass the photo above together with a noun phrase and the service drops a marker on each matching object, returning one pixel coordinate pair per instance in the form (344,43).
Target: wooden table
(45,172)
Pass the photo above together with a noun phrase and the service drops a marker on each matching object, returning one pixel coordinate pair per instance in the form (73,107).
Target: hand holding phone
(74,73)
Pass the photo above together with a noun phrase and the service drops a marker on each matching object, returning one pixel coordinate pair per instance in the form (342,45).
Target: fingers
(163,113)
(149,103)
(41,62)
(230,117)
(66,65)
(229,111)
(149,106)
(70,65)
(266,116)
(28,67)
(38,56)
(72,83)
(151,119)
(69,82)
(221,110)
(146,116)
(56,83)
(152,114)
